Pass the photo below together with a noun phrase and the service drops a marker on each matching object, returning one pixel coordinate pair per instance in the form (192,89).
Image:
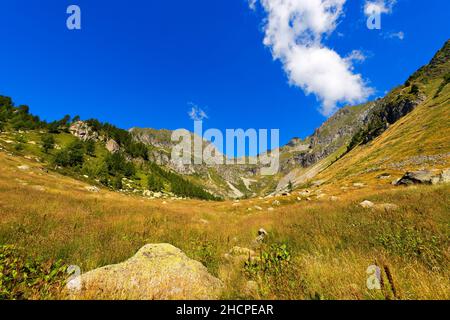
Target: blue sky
(144,63)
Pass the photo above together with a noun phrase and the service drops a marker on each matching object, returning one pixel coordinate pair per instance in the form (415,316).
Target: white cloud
(378,6)
(252,4)
(356,56)
(196,113)
(396,35)
(294,31)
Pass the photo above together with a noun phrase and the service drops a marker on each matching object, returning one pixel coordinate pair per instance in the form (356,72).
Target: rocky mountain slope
(357,126)
(302,160)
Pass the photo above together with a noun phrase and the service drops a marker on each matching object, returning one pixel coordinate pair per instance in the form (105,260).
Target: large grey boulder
(420,177)
(156,272)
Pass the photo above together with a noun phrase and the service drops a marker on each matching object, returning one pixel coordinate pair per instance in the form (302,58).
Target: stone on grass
(155,272)
(366,204)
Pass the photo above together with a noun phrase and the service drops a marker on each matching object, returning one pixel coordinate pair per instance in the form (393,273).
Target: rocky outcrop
(83,131)
(156,272)
(112,146)
(425,177)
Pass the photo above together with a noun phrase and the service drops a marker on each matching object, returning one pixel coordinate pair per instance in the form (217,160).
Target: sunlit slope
(420,140)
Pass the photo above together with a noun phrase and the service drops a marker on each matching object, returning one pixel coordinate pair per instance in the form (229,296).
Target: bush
(414,89)
(18,147)
(154,183)
(90,148)
(48,142)
(24,278)
(118,165)
(271,261)
(117,182)
(71,156)
(95,168)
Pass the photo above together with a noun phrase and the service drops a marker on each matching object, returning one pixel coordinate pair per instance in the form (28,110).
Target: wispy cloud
(252,4)
(356,56)
(396,35)
(378,6)
(196,113)
(294,31)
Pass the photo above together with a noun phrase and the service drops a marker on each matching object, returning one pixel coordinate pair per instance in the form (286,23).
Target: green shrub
(90,148)
(25,278)
(71,156)
(117,182)
(414,89)
(271,261)
(154,183)
(48,142)
(118,165)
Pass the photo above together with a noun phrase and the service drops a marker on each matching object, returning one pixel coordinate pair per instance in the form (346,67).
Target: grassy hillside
(320,242)
(329,244)
(420,140)
(61,148)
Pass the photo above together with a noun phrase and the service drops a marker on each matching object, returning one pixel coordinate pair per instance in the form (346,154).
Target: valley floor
(324,240)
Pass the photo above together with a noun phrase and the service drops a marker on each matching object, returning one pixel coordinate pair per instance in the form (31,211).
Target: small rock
(276,203)
(38,188)
(258,208)
(367,204)
(445,176)
(92,189)
(262,234)
(240,251)
(270,209)
(334,198)
(23,167)
(387,206)
(359,185)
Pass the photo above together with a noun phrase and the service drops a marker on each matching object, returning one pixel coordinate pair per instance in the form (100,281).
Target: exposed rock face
(420,177)
(157,271)
(112,146)
(83,132)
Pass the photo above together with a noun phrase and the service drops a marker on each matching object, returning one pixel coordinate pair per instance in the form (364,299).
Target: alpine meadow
(92,208)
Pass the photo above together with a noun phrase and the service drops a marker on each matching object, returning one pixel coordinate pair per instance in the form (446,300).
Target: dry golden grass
(331,242)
